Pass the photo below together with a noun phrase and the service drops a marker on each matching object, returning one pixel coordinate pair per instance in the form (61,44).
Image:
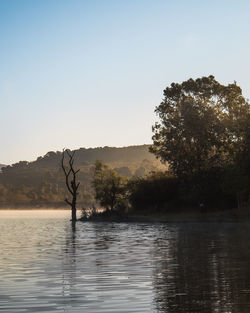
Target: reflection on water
(204,268)
(48,266)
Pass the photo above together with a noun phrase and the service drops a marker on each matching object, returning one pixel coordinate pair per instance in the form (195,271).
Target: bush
(153,192)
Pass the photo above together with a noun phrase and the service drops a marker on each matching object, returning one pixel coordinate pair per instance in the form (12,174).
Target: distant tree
(140,171)
(44,179)
(3,193)
(108,186)
(123,171)
(202,125)
(70,179)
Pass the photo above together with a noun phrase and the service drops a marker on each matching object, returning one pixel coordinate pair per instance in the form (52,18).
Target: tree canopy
(202,124)
(108,186)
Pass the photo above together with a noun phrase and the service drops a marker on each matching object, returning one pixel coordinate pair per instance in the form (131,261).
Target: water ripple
(46,266)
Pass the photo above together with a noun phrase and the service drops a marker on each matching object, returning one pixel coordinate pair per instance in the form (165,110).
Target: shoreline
(233,215)
(34,208)
(188,216)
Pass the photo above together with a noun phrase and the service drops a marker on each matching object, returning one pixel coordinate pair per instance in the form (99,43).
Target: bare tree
(70,179)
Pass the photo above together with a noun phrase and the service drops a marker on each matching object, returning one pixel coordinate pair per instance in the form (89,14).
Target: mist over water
(46,266)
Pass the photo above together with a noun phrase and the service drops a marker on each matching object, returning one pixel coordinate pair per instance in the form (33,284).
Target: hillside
(108,155)
(2,165)
(41,182)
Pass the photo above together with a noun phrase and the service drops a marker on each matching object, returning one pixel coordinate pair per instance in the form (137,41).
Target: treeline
(42,183)
(203,134)
(163,192)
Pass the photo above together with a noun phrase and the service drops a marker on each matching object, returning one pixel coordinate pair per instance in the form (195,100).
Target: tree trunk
(70,179)
(73,211)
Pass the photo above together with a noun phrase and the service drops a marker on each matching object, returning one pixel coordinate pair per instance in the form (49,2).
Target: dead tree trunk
(70,179)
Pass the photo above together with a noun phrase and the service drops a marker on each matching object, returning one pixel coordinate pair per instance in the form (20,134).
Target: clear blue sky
(79,73)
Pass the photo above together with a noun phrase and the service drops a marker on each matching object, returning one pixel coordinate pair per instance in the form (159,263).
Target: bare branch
(70,179)
(66,173)
(67,201)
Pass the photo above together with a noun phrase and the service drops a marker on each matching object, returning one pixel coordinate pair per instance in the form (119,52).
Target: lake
(46,266)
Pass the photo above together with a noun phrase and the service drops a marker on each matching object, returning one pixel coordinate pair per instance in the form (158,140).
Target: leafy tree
(109,187)
(202,125)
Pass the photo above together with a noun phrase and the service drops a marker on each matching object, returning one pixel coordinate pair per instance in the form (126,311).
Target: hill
(41,182)
(108,155)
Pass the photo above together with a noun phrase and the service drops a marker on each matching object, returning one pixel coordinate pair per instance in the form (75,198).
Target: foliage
(42,183)
(204,135)
(202,125)
(216,188)
(109,187)
(153,192)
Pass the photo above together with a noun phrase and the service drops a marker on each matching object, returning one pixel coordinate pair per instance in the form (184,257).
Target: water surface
(48,266)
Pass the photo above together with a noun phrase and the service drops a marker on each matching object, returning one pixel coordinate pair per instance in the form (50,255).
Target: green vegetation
(203,125)
(153,192)
(202,138)
(203,134)
(110,188)
(42,183)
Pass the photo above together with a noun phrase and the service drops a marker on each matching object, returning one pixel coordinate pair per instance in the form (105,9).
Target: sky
(89,73)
